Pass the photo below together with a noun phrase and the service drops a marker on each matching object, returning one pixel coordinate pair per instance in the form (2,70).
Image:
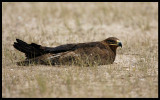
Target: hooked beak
(119,43)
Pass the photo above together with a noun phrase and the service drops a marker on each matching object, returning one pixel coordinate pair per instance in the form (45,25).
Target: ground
(133,74)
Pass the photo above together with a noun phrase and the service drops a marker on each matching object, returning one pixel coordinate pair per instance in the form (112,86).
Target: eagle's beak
(119,43)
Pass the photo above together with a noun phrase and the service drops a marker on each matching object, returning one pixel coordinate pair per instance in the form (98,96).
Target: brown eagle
(90,53)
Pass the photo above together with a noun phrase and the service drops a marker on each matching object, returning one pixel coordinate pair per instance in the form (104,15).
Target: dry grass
(133,74)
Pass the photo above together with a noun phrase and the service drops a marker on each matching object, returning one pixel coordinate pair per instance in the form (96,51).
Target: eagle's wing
(86,55)
(61,48)
(72,47)
(34,50)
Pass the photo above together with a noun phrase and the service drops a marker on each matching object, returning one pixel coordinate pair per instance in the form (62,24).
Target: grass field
(133,74)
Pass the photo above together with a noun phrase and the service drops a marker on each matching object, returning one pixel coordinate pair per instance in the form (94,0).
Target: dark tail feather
(21,46)
(31,50)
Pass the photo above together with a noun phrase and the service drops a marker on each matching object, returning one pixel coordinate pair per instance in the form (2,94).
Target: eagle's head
(113,42)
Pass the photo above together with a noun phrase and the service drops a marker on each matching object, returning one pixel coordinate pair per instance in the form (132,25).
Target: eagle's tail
(31,50)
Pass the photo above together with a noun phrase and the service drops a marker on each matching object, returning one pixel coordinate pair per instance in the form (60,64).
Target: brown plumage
(91,53)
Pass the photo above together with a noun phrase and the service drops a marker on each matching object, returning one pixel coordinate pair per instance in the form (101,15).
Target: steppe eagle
(100,52)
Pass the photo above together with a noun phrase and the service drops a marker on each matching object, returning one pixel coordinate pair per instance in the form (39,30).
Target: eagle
(89,53)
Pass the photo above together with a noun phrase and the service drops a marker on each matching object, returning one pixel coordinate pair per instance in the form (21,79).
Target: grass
(133,74)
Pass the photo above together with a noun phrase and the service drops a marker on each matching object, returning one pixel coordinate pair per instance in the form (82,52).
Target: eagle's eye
(111,42)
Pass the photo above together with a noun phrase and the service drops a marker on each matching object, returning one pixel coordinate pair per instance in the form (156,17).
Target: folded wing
(34,50)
